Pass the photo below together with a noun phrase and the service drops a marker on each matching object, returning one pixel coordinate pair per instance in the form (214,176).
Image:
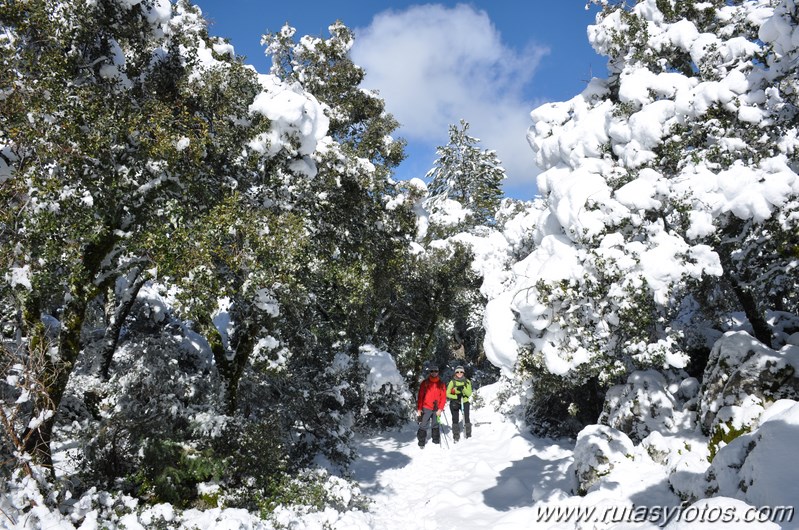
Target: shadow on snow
(379,453)
(516,483)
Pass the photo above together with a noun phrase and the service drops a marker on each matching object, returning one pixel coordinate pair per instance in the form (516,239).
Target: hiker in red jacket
(431,400)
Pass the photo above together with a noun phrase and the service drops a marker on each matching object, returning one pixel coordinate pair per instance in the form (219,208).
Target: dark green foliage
(436,301)
(98,155)
(358,120)
(559,408)
(166,433)
(387,409)
(308,491)
(170,472)
(255,459)
(120,172)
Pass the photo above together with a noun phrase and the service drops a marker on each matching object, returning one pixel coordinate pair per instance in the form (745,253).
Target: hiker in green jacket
(459,390)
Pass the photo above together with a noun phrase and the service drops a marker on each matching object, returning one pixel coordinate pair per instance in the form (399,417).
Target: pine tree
(467,174)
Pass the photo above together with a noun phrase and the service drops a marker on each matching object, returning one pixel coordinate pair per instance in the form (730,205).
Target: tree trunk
(58,368)
(760,327)
(430,333)
(55,377)
(114,329)
(229,369)
(245,344)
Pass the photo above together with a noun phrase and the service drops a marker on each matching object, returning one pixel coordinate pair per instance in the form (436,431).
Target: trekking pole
(437,425)
(444,413)
(463,415)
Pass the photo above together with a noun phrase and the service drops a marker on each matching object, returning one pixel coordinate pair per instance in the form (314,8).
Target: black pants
(428,418)
(455,409)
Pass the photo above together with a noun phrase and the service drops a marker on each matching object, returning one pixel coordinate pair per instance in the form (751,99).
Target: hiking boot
(436,435)
(456,432)
(421,435)
(468,430)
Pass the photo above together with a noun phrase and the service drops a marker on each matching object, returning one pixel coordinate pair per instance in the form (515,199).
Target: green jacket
(463,386)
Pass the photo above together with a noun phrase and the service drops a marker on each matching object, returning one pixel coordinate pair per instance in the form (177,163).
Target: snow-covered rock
(598,450)
(757,467)
(742,377)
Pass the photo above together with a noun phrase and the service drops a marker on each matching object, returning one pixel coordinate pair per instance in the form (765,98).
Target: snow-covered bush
(312,490)
(387,400)
(512,397)
(598,450)
(686,471)
(314,398)
(313,499)
(31,501)
(641,406)
(656,447)
(153,423)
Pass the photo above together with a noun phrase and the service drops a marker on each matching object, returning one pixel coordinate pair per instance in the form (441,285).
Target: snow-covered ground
(486,481)
(503,477)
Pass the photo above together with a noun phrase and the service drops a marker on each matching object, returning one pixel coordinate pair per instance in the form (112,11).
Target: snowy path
(496,478)
(480,482)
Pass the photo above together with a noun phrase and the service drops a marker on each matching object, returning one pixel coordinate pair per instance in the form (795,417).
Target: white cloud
(435,65)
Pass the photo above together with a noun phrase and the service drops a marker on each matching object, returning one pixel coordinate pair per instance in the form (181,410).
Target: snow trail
(479,482)
(505,478)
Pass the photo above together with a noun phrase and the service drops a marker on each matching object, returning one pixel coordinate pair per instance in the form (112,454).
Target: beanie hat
(459,367)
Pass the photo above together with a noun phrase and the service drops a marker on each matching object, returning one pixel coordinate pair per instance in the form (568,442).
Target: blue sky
(489,62)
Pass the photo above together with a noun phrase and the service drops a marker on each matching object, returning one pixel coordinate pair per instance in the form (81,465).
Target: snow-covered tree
(139,134)
(670,195)
(296,271)
(461,200)
(192,249)
(94,158)
(354,212)
(323,68)
(468,175)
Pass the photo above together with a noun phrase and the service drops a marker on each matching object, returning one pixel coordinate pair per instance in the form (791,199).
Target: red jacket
(432,390)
